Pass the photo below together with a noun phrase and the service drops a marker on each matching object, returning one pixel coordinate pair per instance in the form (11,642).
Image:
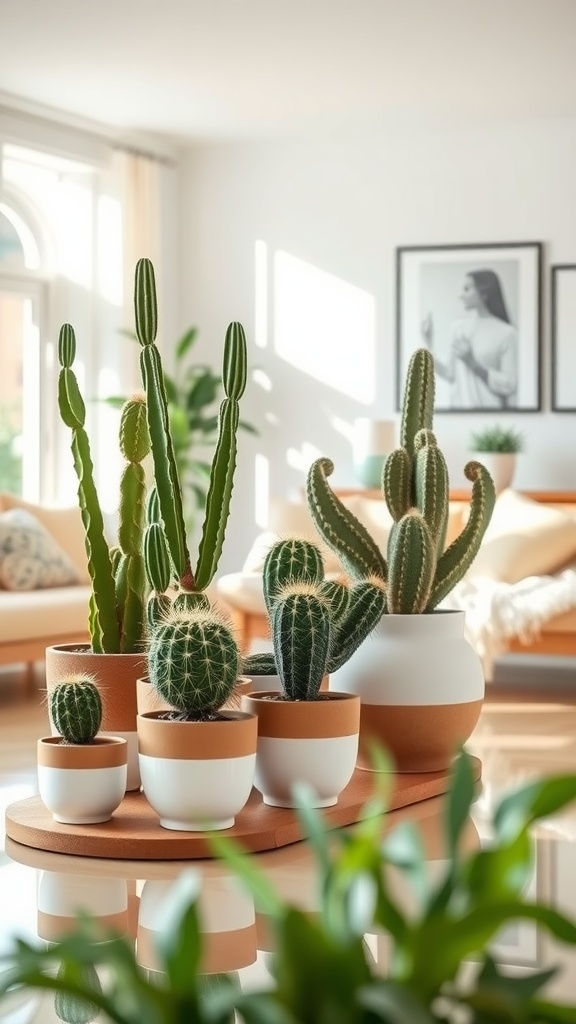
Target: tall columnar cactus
(117,617)
(193,662)
(419,572)
(76,708)
(316,624)
(167,483)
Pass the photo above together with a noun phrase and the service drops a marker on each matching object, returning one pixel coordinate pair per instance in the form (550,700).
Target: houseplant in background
(421,683)
(440,969)
(497,448)
(81,775)
(117,619)
(305,734)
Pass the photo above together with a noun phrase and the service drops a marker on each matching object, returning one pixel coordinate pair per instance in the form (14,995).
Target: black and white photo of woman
(481,364)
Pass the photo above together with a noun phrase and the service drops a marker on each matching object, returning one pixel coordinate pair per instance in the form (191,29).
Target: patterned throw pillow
(30,559)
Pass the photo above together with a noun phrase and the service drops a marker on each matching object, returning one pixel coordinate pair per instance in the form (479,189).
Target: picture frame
(563,336)
(478,307)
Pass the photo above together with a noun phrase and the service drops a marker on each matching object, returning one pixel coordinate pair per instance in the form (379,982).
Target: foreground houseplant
(81,775)
(305,734)
(420,682)
(440,967)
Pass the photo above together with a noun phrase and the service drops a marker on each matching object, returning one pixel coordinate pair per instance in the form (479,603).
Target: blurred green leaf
(540,799)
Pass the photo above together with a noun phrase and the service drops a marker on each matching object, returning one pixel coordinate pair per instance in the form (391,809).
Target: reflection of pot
(227,923)
(62,896)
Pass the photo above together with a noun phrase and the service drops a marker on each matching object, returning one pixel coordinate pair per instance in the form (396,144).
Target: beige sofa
(532,537)
(31,620)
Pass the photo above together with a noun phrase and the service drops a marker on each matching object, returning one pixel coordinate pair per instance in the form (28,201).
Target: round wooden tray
(134,832)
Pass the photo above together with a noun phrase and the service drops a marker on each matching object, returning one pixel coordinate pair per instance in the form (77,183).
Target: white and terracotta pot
(82,783)
(500,465)
(312,741)
(205,791)
(421,685)
(62,896)
(115,676)
(227,919)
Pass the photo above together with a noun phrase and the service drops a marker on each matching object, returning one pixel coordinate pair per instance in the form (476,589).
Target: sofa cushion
(63,524)
(36,614)
(30,559)
(524,538)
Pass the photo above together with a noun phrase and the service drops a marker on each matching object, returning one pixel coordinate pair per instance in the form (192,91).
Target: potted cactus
(305,734)
(197,760)
(421,683)
(65,759)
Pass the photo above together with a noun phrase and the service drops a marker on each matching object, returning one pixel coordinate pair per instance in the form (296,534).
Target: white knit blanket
(496,612)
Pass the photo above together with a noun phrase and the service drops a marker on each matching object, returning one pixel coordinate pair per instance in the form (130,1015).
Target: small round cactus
(193,662)
(76,708)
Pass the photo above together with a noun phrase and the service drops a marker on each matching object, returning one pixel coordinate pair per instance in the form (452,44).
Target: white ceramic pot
(115,675)
(314,741)
(204,792)
(82,783)
(421,686)
(500,465)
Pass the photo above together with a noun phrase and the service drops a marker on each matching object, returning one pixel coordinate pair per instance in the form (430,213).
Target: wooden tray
(134,832)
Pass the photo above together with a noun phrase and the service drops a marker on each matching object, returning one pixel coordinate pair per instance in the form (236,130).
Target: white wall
(343,204)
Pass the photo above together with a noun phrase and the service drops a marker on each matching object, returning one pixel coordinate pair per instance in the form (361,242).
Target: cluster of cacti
(117,601)
(316,624)
(193,662)
(418,572)
(76,708)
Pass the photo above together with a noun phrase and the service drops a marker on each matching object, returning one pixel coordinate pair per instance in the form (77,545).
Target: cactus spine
(316,624)
(418,572)
(193,662)
(76,708)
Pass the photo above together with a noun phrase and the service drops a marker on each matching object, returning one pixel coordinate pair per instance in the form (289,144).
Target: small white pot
(500,465)
(204,792)
(315,742)
(82,784)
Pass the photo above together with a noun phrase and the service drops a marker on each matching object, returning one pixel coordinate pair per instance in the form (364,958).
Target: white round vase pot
(421,687)
(500,465)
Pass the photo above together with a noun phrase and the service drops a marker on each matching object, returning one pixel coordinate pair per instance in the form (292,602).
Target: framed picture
(563,330)
(478,309)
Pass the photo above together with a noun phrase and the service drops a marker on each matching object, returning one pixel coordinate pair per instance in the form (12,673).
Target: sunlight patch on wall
(324,326)
(302,458)
(109,254)
(261,294)
(261,490)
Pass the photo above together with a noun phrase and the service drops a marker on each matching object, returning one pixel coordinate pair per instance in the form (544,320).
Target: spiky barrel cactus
(76,709)
(190,582)
(193,662)
(301,603)
(419,571)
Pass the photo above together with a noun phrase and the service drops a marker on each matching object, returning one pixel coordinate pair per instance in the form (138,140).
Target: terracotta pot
(312,741)
(421,685)
(148,699)
(115,676)
(62,896)
(204,792)
(82,783)
(227,919)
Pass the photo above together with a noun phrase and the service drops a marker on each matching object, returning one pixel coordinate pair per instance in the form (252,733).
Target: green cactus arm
(103,621)
(165,469)
(224,460)
(289,560)
(301,637)
(218,496)
(396,481)
(411,565)
(336,594)
(366,606)
(418,403)
(133,622)
(157,558)
(261,664)
(431,486)
(157,608)
(343,533)
(458,558)
(191,600)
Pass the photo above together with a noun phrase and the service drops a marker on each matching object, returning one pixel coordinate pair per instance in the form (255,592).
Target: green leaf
(179,940)
(403,848)
(459,799)
(185,343)
(391,1001)
(519,809)
(312,824)
(244,867)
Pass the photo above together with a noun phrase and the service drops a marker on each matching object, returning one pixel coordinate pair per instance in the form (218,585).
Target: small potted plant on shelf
(421,683)
(497,448)
(66,790)
(305,734)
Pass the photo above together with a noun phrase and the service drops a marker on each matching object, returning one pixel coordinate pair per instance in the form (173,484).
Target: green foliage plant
(119,588)
(441,967)
(316,624)
(505,440)
(76,708)
(418,571)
